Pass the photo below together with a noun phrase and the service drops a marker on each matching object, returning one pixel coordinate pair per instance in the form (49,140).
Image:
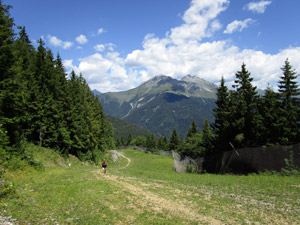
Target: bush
(291,169)
(191,168)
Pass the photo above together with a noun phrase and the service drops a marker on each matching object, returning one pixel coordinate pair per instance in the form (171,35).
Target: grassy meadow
(143,189)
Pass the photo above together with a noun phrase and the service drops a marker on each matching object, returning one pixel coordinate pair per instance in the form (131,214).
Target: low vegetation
(145,190)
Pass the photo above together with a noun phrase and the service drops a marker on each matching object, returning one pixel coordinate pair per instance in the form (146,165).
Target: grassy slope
(148,191)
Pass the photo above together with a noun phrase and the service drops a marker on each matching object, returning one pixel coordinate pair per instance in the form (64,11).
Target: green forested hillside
(168,111)
(39,103)
(123,129)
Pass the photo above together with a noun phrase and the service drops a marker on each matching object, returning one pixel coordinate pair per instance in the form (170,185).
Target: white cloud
(238,25)
(81,39)
(59,43)
(109,46)
(105,73)
(67,44)
(215,25)
(183,51)
(100,31)
(197,20)
(55,41)
(257,7)
(99,48)
(68,63)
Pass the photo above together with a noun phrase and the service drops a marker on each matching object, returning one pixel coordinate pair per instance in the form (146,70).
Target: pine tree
(151,142)
(174,141)
(129,139)
(62,96)
(269,108)
(223,116)
(192,130)
(247,120)
(6,41)
(289,92)
(207,138)
(22,69)
(162,143)
(9,97)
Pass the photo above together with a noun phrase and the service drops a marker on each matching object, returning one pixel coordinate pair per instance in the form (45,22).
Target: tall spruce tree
(269,108)
(22,69)
(9,98)
(222,123)
(174,141)
(192,130)
(192,145)
(289,96)
(247,120)
(6,41)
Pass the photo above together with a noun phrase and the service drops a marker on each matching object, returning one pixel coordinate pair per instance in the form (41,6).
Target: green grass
(147,191)
(255,198)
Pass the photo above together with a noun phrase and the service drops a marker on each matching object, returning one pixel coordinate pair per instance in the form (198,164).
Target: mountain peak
(163,103)
(189,85)
(193,79)
(200,82)
(96,92)
(156,79)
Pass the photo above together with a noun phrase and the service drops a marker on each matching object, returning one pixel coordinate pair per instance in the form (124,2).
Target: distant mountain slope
(168,111)
(96,92)
(163,103)
(122,128)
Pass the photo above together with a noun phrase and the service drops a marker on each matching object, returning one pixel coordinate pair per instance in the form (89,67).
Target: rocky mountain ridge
(164,103)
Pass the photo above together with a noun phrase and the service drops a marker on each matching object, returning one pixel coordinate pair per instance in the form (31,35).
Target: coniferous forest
(248,119)
(243,118)
(39,103)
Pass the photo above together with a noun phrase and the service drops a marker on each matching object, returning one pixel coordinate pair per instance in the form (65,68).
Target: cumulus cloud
(257,7)
(184,51)
(238,25)
(105,72)
(197,20)
(81,39)
(59,43)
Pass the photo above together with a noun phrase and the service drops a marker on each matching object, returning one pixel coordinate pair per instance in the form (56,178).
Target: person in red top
(104,165)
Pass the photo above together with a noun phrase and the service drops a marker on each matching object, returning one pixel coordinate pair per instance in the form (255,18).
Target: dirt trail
(128,160)
(156,202)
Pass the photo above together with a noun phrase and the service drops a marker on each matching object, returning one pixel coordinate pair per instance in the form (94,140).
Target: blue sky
(118,44)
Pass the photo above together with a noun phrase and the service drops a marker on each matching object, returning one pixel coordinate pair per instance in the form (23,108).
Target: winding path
(128,160)
(143,197)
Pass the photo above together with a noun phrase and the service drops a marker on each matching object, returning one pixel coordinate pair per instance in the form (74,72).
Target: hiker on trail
(104,165)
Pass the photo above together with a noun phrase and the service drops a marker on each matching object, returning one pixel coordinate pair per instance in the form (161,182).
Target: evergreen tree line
(39,104)
(243,118)
(194,143)
(149,142)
